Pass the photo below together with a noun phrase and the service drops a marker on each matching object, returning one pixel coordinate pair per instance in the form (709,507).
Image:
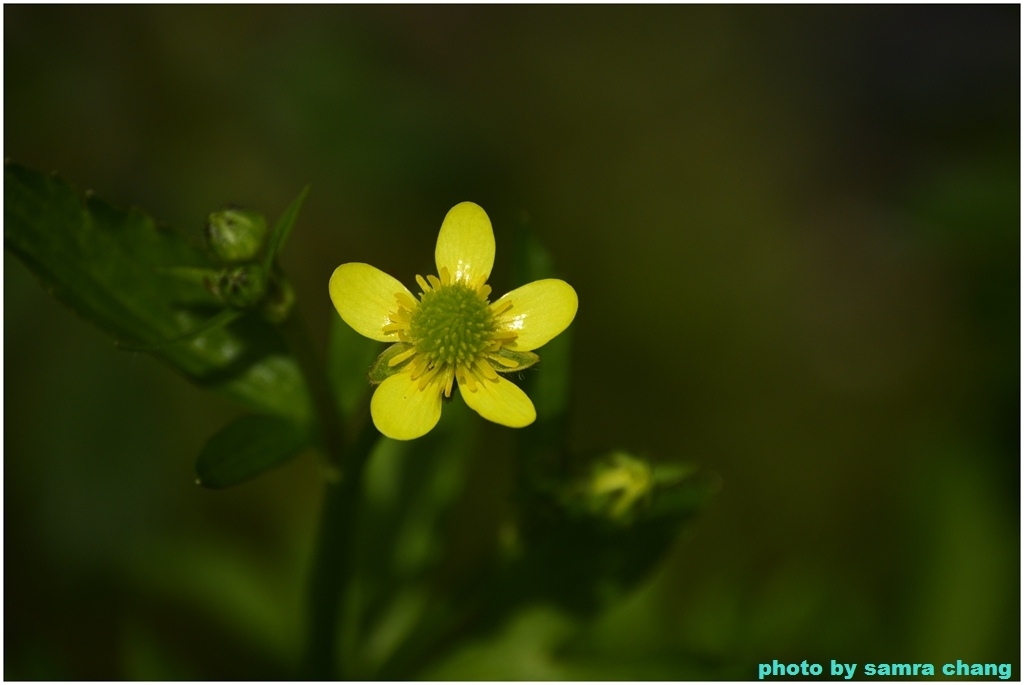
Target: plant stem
(333,562)
(329,417)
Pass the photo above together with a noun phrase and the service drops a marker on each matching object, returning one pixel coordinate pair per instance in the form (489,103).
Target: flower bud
(280,299)
(241,287)
(236,235)
(615,487)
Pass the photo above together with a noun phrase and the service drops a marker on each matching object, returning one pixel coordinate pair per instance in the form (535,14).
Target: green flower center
(453,324)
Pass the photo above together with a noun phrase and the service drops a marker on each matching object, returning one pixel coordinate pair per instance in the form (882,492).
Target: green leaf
(563,558)
(282,229)
(541,446)
(525,648)
(247,447)
(583,563)
(118,270)
(549,388)
(217,321)
(412,492)
(349,358)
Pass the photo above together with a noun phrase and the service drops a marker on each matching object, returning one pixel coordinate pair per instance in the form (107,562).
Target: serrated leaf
(247,447)
(120,271)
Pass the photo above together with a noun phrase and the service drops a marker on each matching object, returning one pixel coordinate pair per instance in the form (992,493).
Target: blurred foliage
(119,271)
(402,617)
(795,235)
(246,448)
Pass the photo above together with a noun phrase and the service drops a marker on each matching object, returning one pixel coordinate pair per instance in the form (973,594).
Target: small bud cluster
(237,237)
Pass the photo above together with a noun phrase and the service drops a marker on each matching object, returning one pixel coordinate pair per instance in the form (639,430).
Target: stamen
(504,335)
(399,358)
(446,276)
(400,315)
(467,379)
(428,376)
(499,307)
(434,282)
(448,384)
(418,366)
(406,300)
(485,370)
(484,290)
(393,328)
(424,286)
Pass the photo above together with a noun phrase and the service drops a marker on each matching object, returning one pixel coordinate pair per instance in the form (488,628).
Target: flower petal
(465,245)
(500,401)
(540,311)
(365,297)
(402,411)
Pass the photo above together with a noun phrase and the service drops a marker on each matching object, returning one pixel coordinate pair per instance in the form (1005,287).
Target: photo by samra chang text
(957,669)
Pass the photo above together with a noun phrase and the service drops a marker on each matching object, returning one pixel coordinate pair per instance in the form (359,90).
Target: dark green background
(795,237)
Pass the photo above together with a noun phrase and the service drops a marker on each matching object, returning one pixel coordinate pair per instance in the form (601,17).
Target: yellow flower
(452,334)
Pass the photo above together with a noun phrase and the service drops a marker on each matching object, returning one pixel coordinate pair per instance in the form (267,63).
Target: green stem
(334,561)
(334,554)
(329,417)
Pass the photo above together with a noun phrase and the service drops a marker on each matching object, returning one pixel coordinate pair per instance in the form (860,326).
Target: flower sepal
(506,360)
(383,369)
